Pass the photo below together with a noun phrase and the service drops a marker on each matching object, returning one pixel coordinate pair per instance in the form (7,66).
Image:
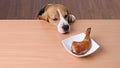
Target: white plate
(67,43)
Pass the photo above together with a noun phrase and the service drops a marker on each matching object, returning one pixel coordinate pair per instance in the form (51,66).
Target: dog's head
(58,15)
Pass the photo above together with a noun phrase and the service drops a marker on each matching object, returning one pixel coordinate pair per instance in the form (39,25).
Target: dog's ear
(42,15)
(71,18)
(42,10)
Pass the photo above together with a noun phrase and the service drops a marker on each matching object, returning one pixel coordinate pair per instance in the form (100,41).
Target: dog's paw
(71,18)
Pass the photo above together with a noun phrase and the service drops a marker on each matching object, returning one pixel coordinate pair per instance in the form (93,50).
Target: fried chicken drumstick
(83,46)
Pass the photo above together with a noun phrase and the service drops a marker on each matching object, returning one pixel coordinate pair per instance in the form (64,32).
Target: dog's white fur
(62,22)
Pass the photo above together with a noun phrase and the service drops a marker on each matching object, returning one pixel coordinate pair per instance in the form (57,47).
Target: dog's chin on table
(58,15)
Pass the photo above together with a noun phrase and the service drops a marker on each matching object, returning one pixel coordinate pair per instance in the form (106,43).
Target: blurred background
(82,9)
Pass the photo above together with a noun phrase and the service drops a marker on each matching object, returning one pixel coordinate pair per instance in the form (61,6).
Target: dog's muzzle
(63,26)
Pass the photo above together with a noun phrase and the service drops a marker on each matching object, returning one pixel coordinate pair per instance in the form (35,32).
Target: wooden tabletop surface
(37,44)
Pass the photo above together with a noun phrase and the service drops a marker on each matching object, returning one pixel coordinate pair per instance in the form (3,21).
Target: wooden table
(37,44)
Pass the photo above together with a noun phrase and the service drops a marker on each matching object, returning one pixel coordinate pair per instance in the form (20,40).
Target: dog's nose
(65,27)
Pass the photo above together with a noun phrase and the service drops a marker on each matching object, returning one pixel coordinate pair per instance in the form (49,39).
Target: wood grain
(34,43)
(82,9)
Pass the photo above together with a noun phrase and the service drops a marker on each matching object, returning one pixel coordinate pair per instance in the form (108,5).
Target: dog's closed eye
(55,19)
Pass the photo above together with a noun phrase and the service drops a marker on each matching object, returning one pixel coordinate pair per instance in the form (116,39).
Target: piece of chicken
(83,46)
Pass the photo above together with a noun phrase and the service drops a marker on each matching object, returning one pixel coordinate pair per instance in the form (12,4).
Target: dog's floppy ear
(42,15)
(71,18)
(42,10)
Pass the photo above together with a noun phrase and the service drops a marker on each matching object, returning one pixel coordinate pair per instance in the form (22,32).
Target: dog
(58,15)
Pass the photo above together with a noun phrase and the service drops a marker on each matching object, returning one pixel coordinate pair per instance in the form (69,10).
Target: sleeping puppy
(58,15)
